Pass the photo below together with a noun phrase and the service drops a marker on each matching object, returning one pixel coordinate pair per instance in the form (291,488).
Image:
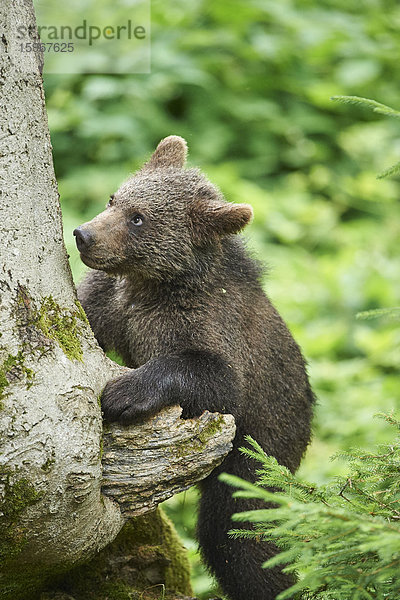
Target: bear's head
(160,219)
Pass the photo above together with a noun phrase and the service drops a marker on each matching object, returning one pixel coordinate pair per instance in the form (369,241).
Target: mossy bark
(146,561)
(53,515)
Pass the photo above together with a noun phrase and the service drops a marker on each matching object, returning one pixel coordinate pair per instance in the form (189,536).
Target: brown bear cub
(174,291)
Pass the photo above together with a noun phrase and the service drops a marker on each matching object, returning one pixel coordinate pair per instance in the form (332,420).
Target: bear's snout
(84,239)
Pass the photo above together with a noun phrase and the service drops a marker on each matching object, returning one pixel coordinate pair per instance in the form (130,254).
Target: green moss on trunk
(200,440)
(41,323)
(50,322)
(146,561)
(13,368)
(17,494)
(61,325)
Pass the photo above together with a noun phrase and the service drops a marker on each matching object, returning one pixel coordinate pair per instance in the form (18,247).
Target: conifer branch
(345,545)
(381,109)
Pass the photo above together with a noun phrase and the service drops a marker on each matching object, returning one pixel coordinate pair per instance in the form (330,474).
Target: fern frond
(358,100)
(394,170)
(393,312)
(381,109)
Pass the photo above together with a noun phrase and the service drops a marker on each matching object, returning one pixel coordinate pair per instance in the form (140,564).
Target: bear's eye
(137,220)
(111,200)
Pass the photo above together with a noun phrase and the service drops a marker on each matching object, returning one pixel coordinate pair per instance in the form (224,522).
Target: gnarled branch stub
(146,464)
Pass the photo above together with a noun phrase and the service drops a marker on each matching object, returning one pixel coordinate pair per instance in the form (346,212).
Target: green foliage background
(248,84)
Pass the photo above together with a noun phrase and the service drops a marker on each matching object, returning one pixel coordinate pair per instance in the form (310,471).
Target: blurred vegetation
(248,84)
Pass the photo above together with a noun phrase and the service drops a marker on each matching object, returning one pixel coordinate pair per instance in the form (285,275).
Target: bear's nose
(84,238)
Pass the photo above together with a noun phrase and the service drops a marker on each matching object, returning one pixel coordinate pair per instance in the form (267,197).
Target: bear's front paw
(120,401)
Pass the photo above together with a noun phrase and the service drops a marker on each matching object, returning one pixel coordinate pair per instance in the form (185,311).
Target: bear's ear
(213,216)
(170,152)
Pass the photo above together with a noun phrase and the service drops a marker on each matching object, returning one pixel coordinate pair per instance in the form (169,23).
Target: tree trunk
(53,515)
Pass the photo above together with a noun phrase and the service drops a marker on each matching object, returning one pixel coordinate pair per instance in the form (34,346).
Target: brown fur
(176,294)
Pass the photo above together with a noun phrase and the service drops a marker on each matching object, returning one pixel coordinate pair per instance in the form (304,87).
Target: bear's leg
(236,563)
